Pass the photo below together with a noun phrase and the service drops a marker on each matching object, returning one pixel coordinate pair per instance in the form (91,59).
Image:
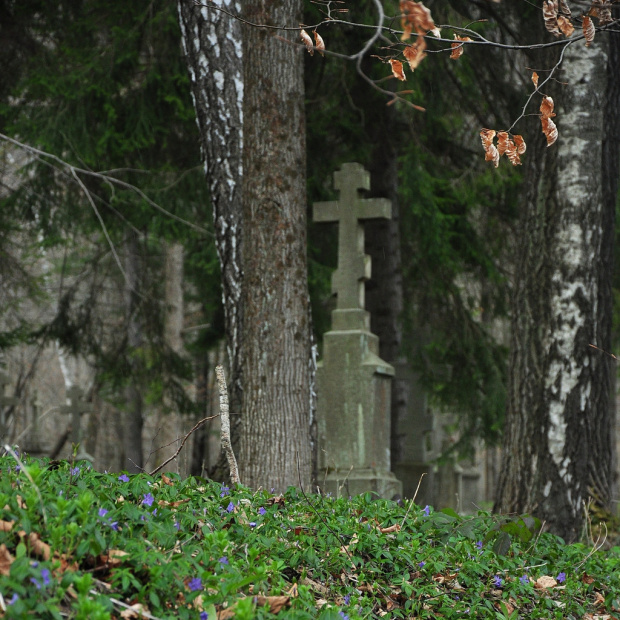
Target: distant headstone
(353,383)
(76,407)
(5,401)
(33,444)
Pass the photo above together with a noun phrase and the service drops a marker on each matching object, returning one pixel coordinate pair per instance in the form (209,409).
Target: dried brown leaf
(414,54)
(563,8)
(458,48)
(601,9)
(6,559)
(512,152)
(490,150)
(6,526)
(503,139)
(549,129)
(535,79)
(565,26)
(305,37)
(319,43)
(275,603)
(546,107)
(550,14)
(415,16)
(588,30)
(397,69)
(520,143)
(545,582)
(167,480)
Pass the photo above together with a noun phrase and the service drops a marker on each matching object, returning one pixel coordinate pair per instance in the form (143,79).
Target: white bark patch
(547,489)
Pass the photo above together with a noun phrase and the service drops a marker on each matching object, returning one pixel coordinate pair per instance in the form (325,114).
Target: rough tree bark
(133,420)
(212,43)
(277,374)
(557,447)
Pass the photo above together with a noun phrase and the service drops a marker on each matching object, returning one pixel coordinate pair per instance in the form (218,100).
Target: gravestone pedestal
(353,383)
(353,410)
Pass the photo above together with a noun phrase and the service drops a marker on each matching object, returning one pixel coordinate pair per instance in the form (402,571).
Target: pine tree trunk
(557,447)
(275,434)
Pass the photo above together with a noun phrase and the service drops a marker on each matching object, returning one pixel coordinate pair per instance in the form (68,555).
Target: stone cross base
(353,410)
(344,484)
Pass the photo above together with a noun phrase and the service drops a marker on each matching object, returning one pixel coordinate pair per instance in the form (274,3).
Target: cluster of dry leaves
(557,16)
(513,147)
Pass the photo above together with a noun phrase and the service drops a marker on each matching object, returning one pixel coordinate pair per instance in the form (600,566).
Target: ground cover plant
(76,543)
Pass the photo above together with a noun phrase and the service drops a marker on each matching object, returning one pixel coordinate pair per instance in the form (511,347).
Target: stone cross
(350,212)
(76,408)
(5,401)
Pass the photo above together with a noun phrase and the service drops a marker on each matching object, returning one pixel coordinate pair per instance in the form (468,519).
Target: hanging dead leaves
(512,146)
(318,45)
(558,18)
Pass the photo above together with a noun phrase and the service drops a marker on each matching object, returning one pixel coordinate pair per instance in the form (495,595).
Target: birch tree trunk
(212,43)
(277,375)
(557,447)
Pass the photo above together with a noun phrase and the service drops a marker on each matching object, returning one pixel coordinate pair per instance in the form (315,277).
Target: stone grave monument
(77,407)
(353,383)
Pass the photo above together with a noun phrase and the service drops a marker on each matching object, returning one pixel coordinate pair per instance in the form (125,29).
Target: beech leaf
(588,30)
(319,43)
(458,48)
(414,53)
(397,69)
(550,15)
(415,16)
(305,37)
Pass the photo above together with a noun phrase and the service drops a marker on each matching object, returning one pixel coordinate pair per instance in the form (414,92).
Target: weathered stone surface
(353,382)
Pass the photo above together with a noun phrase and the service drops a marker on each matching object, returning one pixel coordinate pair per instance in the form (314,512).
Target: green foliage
(185,547)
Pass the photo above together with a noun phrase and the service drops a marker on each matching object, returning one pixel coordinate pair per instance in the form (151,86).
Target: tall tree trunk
(133,420)
(557,447)
(384,292)
(212,42)
(275,435)
(168,424)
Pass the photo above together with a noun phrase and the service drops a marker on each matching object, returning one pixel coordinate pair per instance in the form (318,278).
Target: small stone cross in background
(350,212)
(76,408)
(5,401)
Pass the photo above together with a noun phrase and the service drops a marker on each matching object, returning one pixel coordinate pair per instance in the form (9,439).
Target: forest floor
(76,543)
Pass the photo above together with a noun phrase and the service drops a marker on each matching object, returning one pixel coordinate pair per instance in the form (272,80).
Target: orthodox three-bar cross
(350,211)
(5,401)
(76,408)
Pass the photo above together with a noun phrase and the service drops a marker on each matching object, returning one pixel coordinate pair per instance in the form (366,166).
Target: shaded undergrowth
(81,544)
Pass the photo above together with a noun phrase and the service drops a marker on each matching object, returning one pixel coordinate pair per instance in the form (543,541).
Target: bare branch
(174,456)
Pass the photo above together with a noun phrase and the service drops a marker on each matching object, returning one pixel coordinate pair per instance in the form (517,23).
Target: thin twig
(225,430)
(174,456)
(412,500)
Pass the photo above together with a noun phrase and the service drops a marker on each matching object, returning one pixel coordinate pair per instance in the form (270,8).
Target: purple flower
(113,524)
(261,510)
(223,560)
(225,491)
(427,510)
(524,579)
(13,599)
(252,524)
(421,564)
(124,478)
(343,615)
(75,471)
(195,584)
(177,525)
(497,581)
(561,578)
(45,575)
(347,599)
(148,499)
(102,512)
(204,615)
(479,544)
(231,507)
